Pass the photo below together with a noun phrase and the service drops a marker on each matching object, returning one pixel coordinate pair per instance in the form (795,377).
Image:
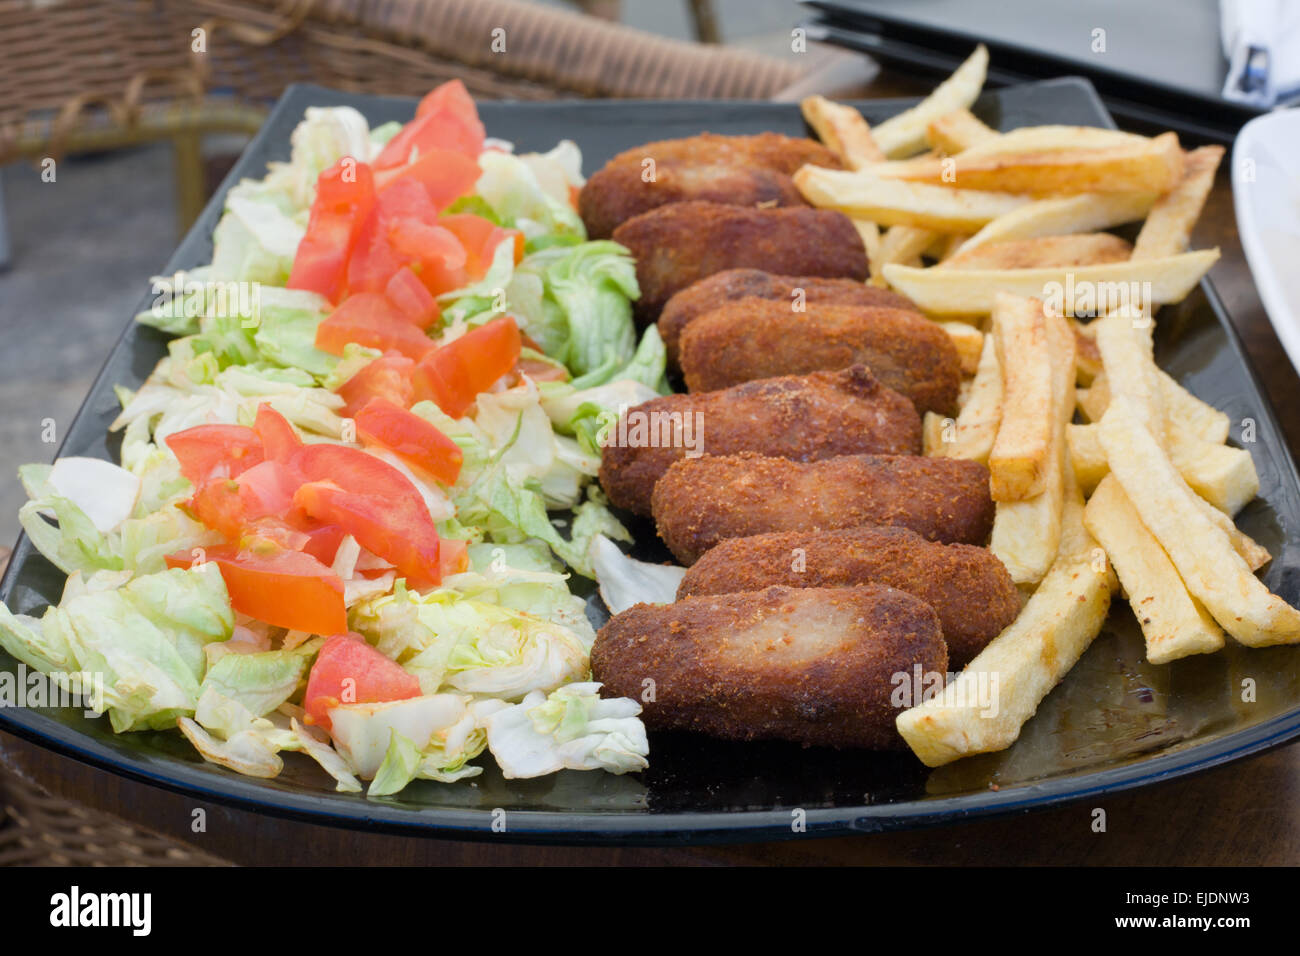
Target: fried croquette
(701,501)
(784,154)
(752,339)
(968,587)
(732,284)
(621,190)
(810,665)
(803,417)
(679,244)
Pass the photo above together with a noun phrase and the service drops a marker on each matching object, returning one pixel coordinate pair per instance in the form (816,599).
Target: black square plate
(1114,723)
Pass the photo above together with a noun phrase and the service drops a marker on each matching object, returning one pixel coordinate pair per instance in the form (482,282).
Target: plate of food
(654,471)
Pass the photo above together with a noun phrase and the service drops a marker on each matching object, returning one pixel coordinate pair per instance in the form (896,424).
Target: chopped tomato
(374,261)
(445,174)
(432,251)
(345,196)
(266,490)
(281,587)
(453,375)
(409,296)
(480,237)
(218,505)
(373,502)
(210,451)
(387,377)
(453,554)
(279,440)
(349,671)
(323,540)
(445,119)
(369,319)
(413,439)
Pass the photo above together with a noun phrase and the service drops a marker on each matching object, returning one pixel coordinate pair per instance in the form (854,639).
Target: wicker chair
(137,79)
(176,69)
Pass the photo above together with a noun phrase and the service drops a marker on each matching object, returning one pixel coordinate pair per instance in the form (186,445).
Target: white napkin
(1261,39)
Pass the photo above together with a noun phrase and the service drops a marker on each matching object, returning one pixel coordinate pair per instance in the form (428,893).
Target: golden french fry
(1021,665)
(1169,225)
(1018,463)
(1152,282)
(1203,554)
(1087,358)
(971,434)
(904,134)
(1147,166)
(1197,417)
(957,131)
(1036,139)
(969,342)
(1083,249)
(870,234)
(1174,624)
(1130,369)
(1087,212)
(1026,533)
(1225,477)
(896,202)
(843,130)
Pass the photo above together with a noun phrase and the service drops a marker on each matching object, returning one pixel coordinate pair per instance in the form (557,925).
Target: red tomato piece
(219,506)
(413,439)
(266,490)
(453,375)
(409,296)
(445,119)
(369,319)
(387,377)
(480,238)
(279,440)
(211,451)
(281,587)
(454,556)
(349,671)
(345,196)
(373,502)
(445,174)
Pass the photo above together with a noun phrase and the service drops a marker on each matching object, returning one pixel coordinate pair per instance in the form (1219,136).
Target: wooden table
(1245,814)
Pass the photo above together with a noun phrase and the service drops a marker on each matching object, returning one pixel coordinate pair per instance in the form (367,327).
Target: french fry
(1154,165)
(1018,463)
(1087,212)
(971,434)
(904,134)
(1087,359)
(896,202)
(1168,227)
(1049,138)
(1022,664)
(1026,534)
(1174,624)
(870,234)
(843,130)
(1082,249)
(957,131)
(949,246)
(1225,477)
(1197,417)
(1127,361)
(971,292)
(1203,554)
(969,342)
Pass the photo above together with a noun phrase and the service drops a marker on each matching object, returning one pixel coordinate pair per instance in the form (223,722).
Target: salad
(351,497)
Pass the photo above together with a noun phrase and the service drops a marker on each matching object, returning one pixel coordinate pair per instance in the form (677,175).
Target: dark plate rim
(639,827)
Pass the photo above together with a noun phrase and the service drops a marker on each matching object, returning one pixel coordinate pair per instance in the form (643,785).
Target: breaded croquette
(684,242)
(784,154)
(732,284)
(968,587)
(752,339)
(701,501)
(804,417)
(621,190)
(810,665)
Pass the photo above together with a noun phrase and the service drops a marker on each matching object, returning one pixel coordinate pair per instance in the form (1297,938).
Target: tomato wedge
(409,296)
(279,440)
(480,237)
(454,556)
(413,439)
(279,586)
(212,451)
(445,174)
(373,502)
(453,375)
(387,377)
(369,319)
(345,196)
(349,671)
(445,119)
